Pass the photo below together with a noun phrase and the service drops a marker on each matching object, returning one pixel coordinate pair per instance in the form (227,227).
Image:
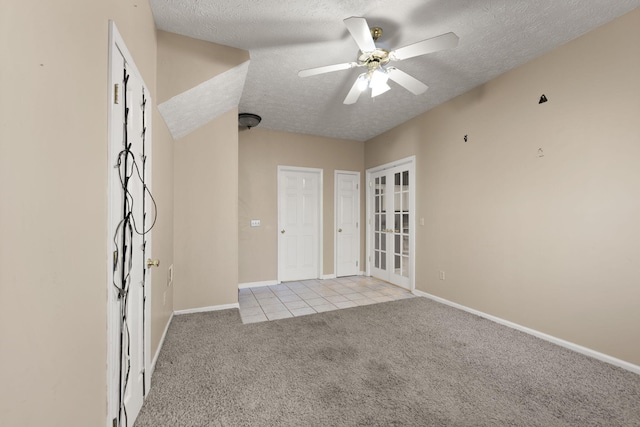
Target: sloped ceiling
(197,106)
(285,37)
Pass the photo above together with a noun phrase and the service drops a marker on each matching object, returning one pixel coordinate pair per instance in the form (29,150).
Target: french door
(391,223)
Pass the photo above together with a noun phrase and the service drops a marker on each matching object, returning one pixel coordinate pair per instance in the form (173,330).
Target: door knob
(153,262)
(339,230)
(282,231)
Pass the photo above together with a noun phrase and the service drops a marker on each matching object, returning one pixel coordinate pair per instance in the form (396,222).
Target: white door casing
(347,223)
(129,236)
(391,222)
(299,223)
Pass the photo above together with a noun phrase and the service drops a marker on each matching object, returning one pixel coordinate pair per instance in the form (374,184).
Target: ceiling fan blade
(408,82)
(444,41)
(361,33)
(379,89)
(326,69)
(353,94)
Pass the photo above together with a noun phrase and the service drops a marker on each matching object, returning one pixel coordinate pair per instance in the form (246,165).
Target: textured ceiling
(285,37)
(195,107)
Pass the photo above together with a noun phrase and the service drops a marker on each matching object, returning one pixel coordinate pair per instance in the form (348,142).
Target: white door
(299,223)
(391,226)
(129,236)
(347,218)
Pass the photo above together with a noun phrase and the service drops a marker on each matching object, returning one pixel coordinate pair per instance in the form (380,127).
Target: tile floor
(291,299)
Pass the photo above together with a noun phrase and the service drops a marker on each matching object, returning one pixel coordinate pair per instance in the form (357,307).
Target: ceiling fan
(377,60)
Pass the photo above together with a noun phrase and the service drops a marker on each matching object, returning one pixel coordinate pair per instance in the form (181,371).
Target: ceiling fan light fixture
(249,120)
(379,90)
(379,78)
(378,83)
(363,82)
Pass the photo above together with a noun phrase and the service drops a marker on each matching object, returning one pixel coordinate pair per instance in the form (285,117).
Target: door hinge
(357,186)
(356,224)
(356,263)
(115,93)
(370,183)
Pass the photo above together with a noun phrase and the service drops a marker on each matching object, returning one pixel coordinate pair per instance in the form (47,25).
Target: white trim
(555,340)
(204,309)
(257,284)
(162,338)
(335,214)
(320,173)
(410,159)
(327,276)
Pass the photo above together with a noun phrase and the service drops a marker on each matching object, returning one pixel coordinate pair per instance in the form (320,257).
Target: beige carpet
(412,362)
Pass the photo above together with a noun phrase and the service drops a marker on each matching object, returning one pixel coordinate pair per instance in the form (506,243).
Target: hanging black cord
(123,157)
(144,238)
(126,229)
(124,274)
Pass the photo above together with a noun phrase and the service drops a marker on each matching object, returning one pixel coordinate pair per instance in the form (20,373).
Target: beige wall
(53,191)
(206,212)
(184,62)
(205,178)
(261,152)
(553,242)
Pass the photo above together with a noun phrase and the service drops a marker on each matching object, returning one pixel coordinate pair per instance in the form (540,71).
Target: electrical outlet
(442,275)
(255,223)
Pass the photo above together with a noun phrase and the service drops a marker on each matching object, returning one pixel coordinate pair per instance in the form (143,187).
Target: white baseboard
(563,343)
(327,276)
(257,284)
(203,309)
(164,335)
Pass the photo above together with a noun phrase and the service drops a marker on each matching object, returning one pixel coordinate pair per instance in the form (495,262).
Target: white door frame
(114,139)
(319,172)
(335,217)
(411,162)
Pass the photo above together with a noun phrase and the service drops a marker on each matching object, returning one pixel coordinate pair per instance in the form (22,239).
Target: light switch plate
(255,223)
